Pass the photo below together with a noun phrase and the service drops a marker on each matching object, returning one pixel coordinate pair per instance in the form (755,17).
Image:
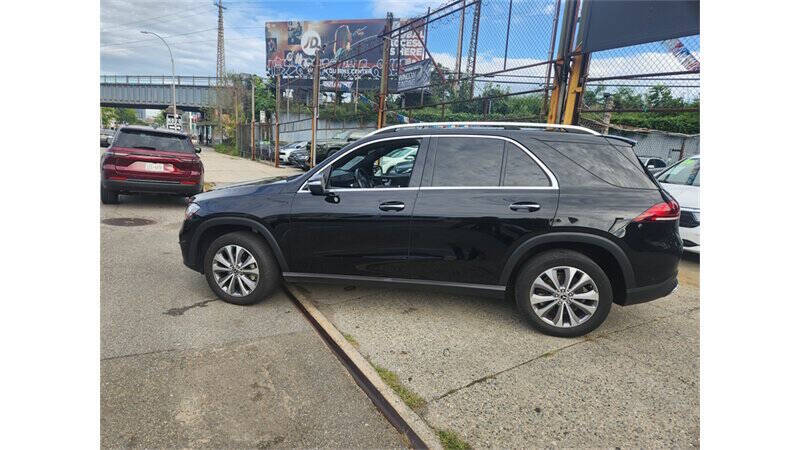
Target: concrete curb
(414,421)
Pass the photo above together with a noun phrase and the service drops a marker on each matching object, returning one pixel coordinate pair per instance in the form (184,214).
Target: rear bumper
(651,292)
(156,187)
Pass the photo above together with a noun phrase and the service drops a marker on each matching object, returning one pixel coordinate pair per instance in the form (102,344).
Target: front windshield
(685,172)
(341,135)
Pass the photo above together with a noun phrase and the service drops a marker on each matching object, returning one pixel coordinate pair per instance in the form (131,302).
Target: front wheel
(564,293)
(240,268)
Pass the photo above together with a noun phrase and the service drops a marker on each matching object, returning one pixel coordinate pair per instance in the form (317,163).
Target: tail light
(669,210)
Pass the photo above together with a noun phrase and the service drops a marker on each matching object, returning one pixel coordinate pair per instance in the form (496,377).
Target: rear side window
(153,140)
(521,170)
(615,165)
(468,162)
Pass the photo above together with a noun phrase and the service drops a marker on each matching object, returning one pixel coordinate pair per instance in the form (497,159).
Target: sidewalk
(222,169)
(180,368)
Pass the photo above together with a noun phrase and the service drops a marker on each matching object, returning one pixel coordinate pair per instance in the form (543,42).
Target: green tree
(107,115)
(126,115)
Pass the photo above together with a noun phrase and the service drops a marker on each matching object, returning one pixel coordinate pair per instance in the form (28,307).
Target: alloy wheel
(564,296)
(235,270)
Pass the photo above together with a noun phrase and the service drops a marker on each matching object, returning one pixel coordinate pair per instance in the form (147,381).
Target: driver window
(387,164)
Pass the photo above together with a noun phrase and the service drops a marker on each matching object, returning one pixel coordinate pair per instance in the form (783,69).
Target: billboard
(415,75)
(355,43)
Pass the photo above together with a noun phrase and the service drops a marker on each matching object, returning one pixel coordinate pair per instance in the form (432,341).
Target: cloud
(402,9)
(191,33)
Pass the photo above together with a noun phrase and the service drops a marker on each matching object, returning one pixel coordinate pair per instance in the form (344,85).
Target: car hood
(246,187)
(687,196)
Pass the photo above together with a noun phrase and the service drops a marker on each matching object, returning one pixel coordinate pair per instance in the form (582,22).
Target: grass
(350,339)
(409,397)
(208,185)
(226,149)
(451,440)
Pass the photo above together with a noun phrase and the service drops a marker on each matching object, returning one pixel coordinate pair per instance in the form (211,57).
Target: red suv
(147,160)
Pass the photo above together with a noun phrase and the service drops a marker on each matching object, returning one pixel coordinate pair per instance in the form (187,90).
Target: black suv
(563,219)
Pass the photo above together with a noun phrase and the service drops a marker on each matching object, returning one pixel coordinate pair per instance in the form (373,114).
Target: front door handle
(524,206)
(392,206)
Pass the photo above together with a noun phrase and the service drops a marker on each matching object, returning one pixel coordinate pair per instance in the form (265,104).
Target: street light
(174,108)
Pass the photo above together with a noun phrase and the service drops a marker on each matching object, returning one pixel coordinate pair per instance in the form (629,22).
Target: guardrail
(180,80)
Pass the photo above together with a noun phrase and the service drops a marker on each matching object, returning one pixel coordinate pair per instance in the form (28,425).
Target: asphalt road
(180,368)
(487,375)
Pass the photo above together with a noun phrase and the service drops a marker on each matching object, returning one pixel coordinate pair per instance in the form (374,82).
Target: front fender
(253,224)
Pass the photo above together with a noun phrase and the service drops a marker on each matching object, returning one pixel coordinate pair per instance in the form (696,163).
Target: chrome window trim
(545,169)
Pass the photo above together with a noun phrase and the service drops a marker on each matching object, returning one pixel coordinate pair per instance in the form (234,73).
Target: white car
(682,181)
(286,150)
(397,156)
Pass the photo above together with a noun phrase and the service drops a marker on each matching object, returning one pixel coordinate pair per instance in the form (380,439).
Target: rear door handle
(524,206)
(392,206)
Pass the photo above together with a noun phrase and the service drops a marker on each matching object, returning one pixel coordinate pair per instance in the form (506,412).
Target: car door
(355,230)
(480,197)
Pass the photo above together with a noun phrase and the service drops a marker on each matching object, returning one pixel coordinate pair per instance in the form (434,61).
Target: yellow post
(576,76)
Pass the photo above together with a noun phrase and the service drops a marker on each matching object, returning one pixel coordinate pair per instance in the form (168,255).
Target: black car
(563,220)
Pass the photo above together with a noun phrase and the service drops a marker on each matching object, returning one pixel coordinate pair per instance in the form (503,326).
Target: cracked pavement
(180,368)
(486,374)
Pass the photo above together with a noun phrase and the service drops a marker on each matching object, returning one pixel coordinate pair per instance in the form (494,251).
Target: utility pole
(220,58)
(312,154)
(277,116)
(387,42)
(252,118)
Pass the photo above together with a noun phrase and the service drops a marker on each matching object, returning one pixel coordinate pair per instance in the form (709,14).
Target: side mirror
(197,149)
(410,157)
(316,185)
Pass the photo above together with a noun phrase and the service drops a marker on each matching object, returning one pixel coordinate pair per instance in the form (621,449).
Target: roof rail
(621,138)
(505,125)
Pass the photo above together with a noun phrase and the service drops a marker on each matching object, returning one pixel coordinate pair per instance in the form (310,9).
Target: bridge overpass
(155,91)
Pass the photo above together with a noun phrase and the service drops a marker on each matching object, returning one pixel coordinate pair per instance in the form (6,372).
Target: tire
(573,304)
(268,273)
(108,197)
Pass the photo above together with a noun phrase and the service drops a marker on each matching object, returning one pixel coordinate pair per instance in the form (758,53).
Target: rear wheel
(240,268)
(108,197)
(563,293)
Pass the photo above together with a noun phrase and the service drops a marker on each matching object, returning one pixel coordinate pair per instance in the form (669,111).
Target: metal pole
(550,58)
(355,103)
(385,72)
(315,110)
(460,40)
(252,119)
(508,29)
(172,61)
(278,117)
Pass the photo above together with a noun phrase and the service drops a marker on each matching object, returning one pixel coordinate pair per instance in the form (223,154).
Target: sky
(124,50)
(190,28)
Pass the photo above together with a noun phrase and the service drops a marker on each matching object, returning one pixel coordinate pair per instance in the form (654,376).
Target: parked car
(147,160)
(339,140)
(682,181)
(565,222)
(299,158)
(106,136)
(288,149)
(407,154)
(653,164)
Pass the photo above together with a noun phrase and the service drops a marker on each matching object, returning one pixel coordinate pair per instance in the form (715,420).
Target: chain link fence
(484,60)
